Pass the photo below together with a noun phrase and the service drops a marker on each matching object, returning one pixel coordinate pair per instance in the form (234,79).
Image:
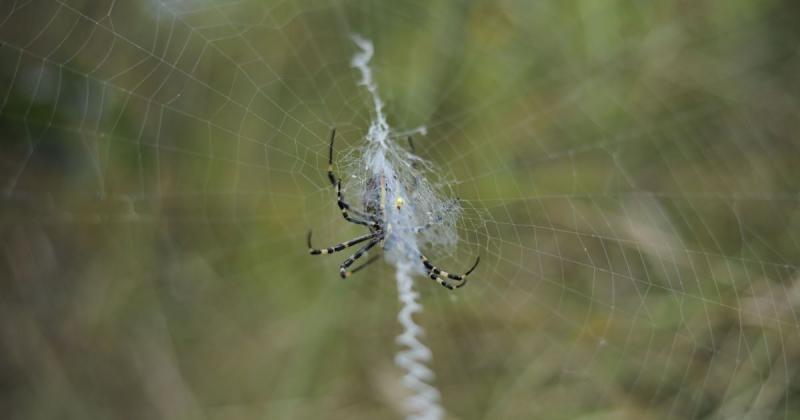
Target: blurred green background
(628,171)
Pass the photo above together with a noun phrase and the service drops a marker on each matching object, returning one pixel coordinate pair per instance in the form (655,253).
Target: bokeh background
(628,172)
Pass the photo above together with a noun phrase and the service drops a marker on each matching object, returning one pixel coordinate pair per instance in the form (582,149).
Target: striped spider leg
(373,217)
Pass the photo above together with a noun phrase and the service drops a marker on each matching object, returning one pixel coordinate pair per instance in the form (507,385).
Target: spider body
(374,218)
(373,202)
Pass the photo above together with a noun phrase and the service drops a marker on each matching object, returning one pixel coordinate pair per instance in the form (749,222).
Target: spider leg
(338,247)
(442,277)
(343,206)
(331,176)
(351,259)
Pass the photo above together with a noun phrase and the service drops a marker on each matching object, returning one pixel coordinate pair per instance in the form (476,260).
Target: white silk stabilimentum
(414,215)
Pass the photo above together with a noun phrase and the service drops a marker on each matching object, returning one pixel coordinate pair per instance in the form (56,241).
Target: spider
(373,216)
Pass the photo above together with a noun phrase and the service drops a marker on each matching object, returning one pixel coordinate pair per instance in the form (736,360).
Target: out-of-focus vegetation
(629,172)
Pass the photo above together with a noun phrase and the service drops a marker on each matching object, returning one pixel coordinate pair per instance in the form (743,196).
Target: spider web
(627,176)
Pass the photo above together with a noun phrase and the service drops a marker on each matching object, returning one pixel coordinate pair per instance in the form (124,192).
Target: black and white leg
(443,277)
(360,217)
(351,259)
(331,176)
(338,247)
